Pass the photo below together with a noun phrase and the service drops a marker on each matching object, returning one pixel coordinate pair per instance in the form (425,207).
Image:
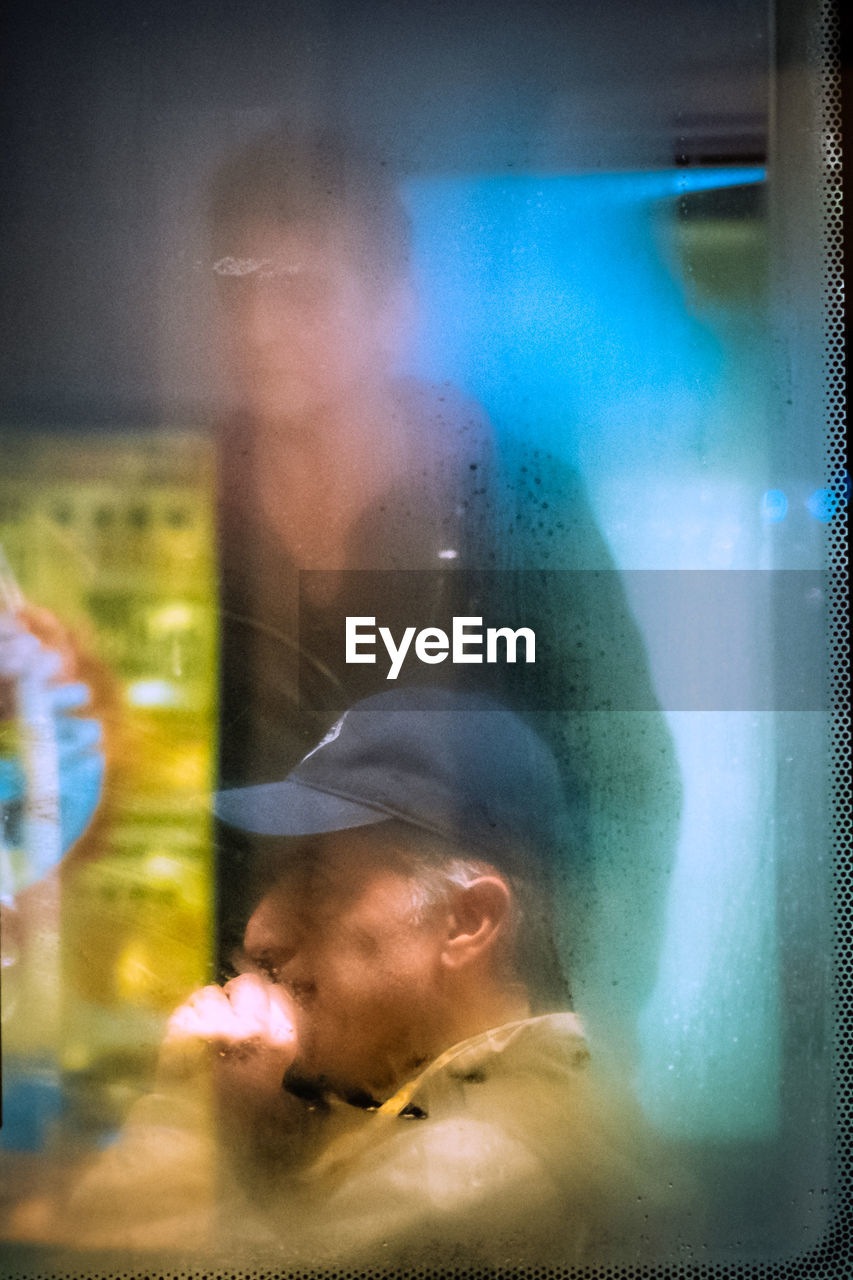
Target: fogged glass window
(502,315)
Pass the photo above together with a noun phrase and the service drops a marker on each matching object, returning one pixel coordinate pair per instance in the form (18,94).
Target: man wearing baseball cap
(399,1078)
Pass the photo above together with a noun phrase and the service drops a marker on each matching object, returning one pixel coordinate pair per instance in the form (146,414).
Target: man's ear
(478,917)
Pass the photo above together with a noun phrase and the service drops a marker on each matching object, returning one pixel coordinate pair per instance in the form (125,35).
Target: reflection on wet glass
(476,392)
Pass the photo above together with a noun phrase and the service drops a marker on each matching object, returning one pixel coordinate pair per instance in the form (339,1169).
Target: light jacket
(505,1151)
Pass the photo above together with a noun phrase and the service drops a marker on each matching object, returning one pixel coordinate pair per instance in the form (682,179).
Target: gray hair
(529,953)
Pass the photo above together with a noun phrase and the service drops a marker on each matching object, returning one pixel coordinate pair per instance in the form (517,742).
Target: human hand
(244,1030)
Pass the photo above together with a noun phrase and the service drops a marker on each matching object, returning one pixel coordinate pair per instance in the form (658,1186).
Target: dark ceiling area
(114,115)
(441,84)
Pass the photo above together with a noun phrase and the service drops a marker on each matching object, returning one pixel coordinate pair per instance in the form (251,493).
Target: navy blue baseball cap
(458,765)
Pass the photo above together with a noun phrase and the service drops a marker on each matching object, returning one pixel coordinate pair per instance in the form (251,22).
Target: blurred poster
(479,361)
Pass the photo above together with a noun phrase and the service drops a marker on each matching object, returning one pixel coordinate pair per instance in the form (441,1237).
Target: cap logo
(333,733)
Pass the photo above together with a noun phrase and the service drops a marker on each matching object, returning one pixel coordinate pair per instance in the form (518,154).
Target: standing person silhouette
(334,463)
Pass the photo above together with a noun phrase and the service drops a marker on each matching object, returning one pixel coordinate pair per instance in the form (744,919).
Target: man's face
(339,932)
(306,327)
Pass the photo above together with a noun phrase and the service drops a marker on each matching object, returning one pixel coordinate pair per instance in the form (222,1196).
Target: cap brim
(289,808)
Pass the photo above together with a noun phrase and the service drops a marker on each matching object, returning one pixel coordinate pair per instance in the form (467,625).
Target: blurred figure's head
(310,247)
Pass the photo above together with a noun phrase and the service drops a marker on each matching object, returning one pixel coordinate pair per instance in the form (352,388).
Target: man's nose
(272,938)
